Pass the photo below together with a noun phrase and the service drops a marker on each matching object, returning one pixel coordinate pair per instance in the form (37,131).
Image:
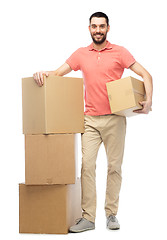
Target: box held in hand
(124,96)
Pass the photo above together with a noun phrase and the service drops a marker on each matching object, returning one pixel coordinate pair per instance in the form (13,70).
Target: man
(101,62)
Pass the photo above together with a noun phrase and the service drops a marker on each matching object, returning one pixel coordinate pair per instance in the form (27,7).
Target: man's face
(98,29)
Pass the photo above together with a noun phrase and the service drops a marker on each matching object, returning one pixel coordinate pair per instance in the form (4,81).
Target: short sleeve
(126,58)
(73,60)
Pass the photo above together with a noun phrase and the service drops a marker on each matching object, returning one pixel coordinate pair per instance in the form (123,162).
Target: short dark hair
(100,15)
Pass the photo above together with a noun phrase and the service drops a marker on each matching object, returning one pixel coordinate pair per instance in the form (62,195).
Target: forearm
(148,86)
(61,71)
(56,73)
(148,83)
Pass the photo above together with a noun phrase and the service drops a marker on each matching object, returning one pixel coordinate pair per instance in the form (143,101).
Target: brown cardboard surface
(124,96)
(48,209)
(50,159)
(56,107)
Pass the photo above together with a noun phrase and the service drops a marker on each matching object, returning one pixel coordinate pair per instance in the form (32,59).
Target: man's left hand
(146,107)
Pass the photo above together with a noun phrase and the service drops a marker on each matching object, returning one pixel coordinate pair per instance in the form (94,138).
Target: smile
(98,35)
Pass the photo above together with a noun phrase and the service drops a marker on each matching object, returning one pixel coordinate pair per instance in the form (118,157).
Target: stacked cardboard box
(49,201)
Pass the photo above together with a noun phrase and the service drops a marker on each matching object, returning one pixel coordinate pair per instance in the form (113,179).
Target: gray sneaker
(112,223)
(82,225)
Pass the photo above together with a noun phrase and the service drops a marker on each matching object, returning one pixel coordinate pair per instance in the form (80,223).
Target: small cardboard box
(50,159)
(56,107)
(48,209)
(124,95)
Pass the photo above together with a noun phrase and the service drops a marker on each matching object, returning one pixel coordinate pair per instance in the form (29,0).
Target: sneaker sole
(114,228)
(82,230)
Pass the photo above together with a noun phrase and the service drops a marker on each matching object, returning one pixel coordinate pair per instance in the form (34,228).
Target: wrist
(149,99)
(51,72)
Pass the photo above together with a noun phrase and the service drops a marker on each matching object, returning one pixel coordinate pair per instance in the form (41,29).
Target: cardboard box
(56,107)
(124,96)
(50,159)
(48,209)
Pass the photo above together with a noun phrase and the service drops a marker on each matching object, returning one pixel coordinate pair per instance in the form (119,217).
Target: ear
(89,28)
(108,28)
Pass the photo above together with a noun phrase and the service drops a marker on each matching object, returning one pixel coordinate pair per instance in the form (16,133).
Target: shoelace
(78,220)
(111,218)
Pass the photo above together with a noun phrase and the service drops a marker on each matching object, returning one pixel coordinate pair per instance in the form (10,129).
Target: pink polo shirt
(98,68)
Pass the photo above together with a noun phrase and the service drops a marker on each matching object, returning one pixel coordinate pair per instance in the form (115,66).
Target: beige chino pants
(109,129)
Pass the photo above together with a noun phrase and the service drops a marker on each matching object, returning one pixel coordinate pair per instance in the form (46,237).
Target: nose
(98,29)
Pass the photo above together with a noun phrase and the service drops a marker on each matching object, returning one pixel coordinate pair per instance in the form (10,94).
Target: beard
(100,40)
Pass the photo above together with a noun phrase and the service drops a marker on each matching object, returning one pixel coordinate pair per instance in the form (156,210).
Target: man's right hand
(38,77)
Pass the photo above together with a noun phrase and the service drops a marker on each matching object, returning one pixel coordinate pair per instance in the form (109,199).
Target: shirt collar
(107,47)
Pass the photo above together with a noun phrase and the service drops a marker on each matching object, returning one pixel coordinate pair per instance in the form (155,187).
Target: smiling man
(100,63)
(98,31)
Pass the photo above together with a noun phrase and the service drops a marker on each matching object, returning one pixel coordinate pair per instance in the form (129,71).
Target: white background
(40,35)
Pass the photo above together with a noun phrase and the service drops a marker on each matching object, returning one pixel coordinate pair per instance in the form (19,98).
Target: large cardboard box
(124,96)
(48,209)
(50,159)
(56,107)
